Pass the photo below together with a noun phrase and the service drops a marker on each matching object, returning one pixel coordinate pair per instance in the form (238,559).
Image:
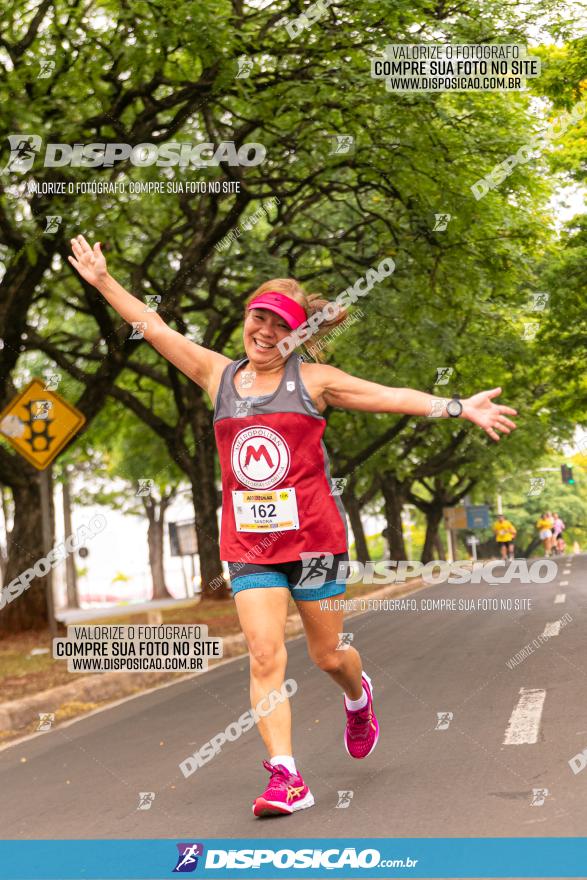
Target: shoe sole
(372,749)
(262,807)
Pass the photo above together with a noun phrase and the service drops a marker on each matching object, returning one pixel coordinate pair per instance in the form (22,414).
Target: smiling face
(262,331)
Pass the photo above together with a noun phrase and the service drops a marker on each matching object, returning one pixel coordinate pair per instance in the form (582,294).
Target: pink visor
(288,309)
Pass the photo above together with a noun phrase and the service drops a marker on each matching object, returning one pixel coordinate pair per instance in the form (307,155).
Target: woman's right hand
(89,262)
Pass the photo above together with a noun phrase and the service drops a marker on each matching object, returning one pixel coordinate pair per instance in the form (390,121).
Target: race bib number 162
(258,511)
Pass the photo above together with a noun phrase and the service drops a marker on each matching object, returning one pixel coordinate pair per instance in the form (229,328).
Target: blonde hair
(310,302)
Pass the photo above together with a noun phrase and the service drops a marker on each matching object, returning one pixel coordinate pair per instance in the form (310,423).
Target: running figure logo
(146,799)
(187,860)
(23,149)
(40,409)
(530,330)
(247,378)
(52,222)
(315,568)
(344,799)
(344,641)
(152,302)
(540,301)
(245,65)
(444,719)
(242,408)
(47,68)
(441,222)
(145,486)
(46,719)
(539,795)
(39,424)
(138,329)
(536,486)
(338,484)
(443,374)
(341,143)
(52,382)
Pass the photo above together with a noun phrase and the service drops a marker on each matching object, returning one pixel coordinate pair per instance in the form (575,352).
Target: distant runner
(544,526)
(505,532)
(558,528)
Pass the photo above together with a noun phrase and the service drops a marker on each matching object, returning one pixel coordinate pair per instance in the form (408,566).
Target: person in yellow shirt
(505,532)
(544,526)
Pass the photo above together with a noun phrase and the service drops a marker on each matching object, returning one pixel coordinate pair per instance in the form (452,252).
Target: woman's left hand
(490,416)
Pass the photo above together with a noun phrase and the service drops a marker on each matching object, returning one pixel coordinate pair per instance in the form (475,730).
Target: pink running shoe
(362,728)
(285,793)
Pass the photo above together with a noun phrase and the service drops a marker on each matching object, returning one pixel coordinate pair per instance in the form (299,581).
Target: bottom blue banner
(306,857)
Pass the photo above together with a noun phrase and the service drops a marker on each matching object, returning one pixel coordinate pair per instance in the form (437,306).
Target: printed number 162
(263,510)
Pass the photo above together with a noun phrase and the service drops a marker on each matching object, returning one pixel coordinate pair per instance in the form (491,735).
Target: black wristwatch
(454,407)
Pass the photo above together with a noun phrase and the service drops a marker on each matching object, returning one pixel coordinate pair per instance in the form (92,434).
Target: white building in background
(117,564)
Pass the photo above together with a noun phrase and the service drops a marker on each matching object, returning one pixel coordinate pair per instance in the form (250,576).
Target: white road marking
(564,584)
(567,571)
(524,723)
(552,629)
(560,598)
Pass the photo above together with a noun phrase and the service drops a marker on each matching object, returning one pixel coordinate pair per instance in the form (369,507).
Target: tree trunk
(70,573)
(3,548)
(439,546)
(394,498)
(534,543)
(199,467)
(27,611)
(155,542)
(205,497)
(354,511)
(433,520)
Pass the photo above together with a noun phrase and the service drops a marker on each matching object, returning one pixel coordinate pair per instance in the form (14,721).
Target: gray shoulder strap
(226,393)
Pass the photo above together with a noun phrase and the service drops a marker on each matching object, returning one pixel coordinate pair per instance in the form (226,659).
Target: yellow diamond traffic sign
(38,423)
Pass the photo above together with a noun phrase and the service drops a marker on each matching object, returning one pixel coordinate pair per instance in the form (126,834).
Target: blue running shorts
(315,577)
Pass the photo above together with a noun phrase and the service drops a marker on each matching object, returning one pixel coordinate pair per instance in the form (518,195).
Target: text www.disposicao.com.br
(135,664)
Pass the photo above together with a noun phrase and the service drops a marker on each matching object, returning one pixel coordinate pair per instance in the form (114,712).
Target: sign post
(472,541)
(45,491)
(454,518)
(183,540)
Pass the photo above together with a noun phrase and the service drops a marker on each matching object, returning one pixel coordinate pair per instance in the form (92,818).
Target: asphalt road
(473,778)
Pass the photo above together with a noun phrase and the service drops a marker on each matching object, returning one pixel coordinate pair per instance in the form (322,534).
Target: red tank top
(276,484)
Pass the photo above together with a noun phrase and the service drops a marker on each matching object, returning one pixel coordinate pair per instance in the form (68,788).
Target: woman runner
(544,526)
(558,527)
(277,495)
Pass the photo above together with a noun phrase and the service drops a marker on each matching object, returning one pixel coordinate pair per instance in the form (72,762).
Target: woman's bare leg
(322,628)
(262,614)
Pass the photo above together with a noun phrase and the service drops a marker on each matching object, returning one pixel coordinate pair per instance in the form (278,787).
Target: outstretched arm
(342,390)
(198,363)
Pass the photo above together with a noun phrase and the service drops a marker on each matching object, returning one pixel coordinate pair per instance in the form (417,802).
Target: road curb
(17,715)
